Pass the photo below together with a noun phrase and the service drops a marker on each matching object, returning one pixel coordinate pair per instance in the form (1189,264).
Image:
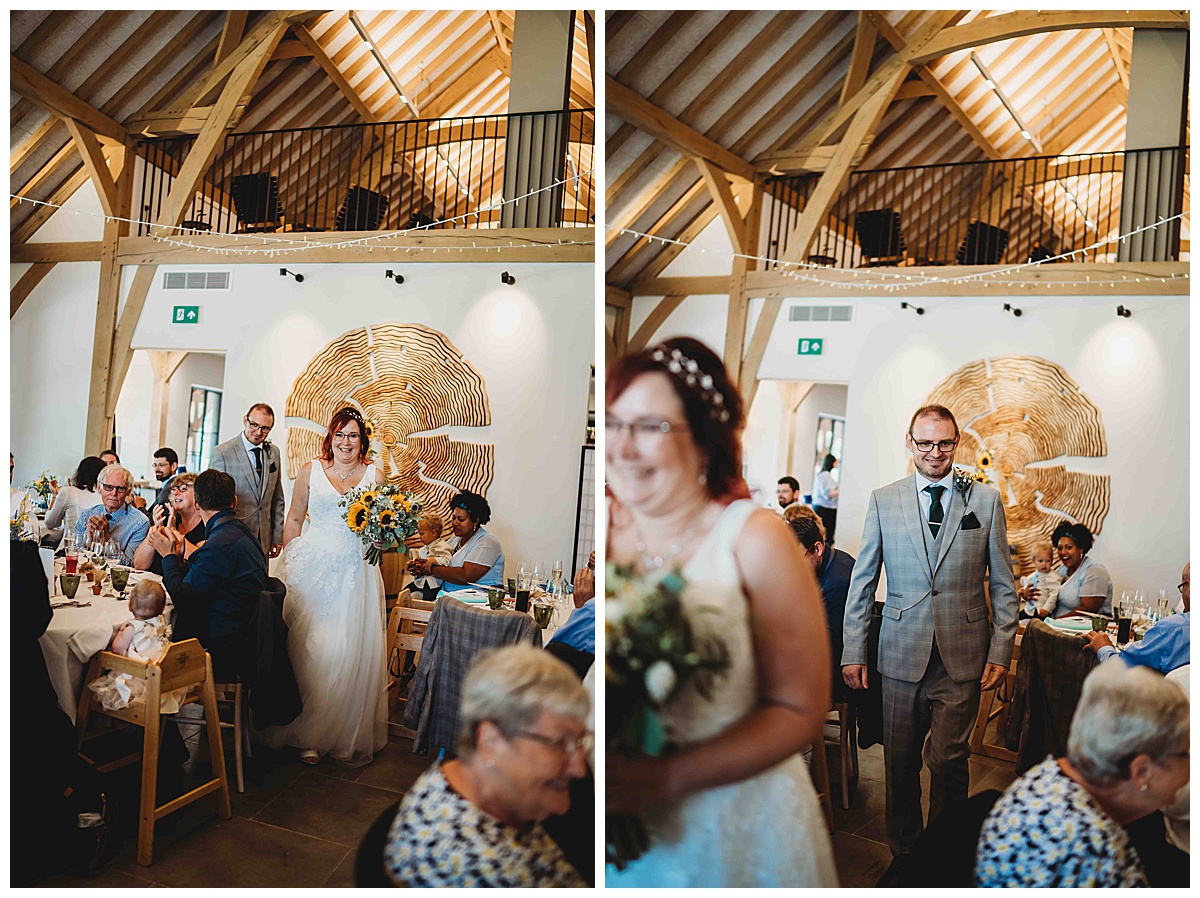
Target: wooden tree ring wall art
(1022,420)
(409,380)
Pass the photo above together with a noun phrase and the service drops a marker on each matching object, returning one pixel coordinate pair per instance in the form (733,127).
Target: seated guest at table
(1166,646)
(434,547)
(19,504)
(185,517)
(112,519)
(1086,585)
(1044,579)
(74,498)
(579,632)
(1061,824)
(215,591)
(478,557)
(145,638)
(476,821)
(833,568)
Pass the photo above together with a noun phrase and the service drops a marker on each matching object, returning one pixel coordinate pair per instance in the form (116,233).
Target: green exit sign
(185,315)
(808,346)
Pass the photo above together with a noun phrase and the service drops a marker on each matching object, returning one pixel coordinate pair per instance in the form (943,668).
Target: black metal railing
(1011,211)
(446,173)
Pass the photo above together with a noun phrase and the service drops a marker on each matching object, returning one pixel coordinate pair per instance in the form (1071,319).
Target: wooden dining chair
(847,748)
(185,666)
(401,638)
(819,768)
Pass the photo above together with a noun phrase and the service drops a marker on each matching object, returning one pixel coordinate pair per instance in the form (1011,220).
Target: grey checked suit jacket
(264,516)
(948,601)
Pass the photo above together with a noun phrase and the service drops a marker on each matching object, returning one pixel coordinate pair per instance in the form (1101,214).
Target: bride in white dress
(334,608)
(734,805)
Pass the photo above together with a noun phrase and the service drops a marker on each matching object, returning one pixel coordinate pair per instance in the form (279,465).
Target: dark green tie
(935,508)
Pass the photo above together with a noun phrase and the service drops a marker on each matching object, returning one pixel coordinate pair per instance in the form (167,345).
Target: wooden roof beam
(231,33)
(664,223)
(32,84)
(644,201)
(44,173)
(860,58)
(335,74)
(501,41)
(718,187)
(1110,38)
(668,253)
(1005,27)
(96,165)
(25,284)
(267,26)
(662,125)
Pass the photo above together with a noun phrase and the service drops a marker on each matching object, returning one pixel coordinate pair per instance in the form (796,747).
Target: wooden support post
(165,364)
(739,300)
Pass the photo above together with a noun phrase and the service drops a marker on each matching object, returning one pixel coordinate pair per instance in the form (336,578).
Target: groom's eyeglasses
(927,445)
(259,428)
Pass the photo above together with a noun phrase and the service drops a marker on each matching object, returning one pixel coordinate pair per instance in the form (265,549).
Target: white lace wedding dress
(768,830)
(335,615)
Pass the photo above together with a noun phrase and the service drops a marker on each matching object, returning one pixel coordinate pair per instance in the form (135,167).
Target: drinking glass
(112,554)
(71,558)
(556,573)
(120,579)
(537,575)
(523,572)
(70,585)
(542,613)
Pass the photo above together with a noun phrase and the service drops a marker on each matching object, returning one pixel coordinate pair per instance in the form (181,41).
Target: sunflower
(368,497)
(387,518)
(357,516)
(369,429)
(985,461)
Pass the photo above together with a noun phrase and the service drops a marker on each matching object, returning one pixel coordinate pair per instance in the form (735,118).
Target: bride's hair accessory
(691,374)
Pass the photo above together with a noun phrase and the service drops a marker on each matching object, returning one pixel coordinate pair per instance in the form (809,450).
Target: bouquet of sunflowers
(383,517)
(652,652)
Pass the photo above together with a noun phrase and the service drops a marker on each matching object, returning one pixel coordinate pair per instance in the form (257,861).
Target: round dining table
(79,630)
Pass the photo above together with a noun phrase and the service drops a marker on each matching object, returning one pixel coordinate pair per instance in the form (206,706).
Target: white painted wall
(1135,370)
(532,342)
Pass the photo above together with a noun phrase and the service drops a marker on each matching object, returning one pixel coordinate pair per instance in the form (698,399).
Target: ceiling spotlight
(917,309)
(1009,307)
(394,275)
(506,278)
(283,272)
(1123,312)
(1025,134)
(989,84)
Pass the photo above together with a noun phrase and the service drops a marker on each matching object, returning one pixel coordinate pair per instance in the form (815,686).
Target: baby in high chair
(146,638)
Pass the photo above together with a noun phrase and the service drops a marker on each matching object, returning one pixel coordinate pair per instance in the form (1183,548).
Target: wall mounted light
(1123,312)
(283,272)
(506,278)
(917,309)
(394,275)
(1009,307)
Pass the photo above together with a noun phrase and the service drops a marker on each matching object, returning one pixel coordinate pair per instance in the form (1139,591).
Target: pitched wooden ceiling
(127,63)
(761,82)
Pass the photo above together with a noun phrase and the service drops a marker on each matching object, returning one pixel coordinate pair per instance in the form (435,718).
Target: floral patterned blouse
(440,839)
(1046,831)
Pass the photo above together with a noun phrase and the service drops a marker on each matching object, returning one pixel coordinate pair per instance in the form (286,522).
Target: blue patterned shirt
(127,526)
(1046,831)
(1166,646)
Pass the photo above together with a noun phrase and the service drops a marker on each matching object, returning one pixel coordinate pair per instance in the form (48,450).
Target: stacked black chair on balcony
(362,210)
(879,237)
(256,200)
(984,245)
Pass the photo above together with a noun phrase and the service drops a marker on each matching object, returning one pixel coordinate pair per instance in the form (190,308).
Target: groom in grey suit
(256,470)
(938,649)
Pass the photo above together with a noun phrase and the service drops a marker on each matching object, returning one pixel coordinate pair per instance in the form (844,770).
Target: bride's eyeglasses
(645,432)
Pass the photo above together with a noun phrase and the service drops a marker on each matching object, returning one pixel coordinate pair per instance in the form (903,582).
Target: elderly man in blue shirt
(113,519)
(1166,646)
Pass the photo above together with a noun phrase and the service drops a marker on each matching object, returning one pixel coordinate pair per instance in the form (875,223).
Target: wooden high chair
(401,638)
(185,665)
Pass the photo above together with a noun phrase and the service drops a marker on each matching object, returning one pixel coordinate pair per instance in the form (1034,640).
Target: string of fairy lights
(271,244)
(893,279)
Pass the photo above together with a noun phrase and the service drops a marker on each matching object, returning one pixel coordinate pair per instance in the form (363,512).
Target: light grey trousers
(943,710)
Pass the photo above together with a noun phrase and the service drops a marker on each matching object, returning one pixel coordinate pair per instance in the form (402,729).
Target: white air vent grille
(196,280)
(821,313)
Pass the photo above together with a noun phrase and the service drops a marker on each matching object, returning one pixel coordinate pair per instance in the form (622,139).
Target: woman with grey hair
(476,820)
(1060,824)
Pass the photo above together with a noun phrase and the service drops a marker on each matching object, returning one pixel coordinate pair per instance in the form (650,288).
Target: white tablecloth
(76,634)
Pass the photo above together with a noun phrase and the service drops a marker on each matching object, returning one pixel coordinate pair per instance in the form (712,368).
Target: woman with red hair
(733,804)
(334,607)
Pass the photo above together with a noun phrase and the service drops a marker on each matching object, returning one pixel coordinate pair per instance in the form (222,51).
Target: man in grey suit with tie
(256,469)
(937,647)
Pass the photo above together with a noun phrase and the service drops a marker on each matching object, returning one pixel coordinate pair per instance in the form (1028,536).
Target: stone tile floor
(300,826)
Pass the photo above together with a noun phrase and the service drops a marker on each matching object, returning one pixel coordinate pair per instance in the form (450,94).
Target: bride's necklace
(654,562)
(342,477)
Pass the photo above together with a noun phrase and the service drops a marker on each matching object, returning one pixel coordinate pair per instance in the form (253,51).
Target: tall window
(204,414)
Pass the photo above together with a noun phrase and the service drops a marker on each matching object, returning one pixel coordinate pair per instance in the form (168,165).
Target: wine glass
(538,574)
(556,573)
(112,553)
(523,575)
